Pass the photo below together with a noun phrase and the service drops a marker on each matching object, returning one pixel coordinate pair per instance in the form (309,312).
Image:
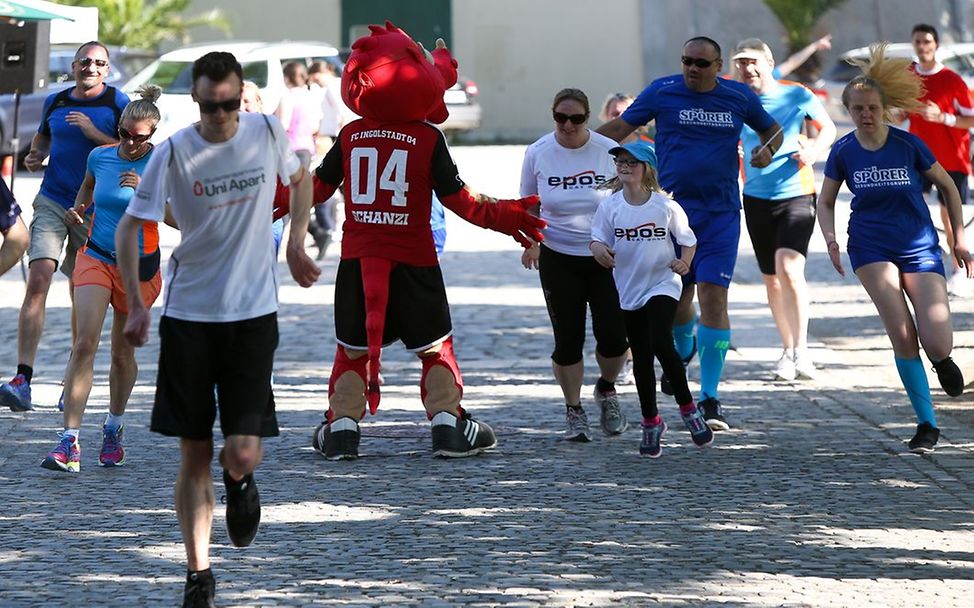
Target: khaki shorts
(48,233)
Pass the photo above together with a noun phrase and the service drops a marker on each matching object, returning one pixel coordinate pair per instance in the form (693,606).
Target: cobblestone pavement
(812,499)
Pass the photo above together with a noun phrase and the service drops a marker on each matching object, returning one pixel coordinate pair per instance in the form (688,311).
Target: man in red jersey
(389,286)
(944,124)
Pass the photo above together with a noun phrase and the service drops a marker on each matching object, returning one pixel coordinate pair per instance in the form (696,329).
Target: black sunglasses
(576,119)
(627,162)
(135,137)
(210,107)
(697,61)
(87,61)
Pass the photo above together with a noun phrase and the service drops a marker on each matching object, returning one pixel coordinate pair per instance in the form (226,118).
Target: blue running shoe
(650,444)
(60,402)
(699,431)
(66,456)
(16,394)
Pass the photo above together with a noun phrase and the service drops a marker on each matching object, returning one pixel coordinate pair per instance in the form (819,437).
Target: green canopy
(20,12)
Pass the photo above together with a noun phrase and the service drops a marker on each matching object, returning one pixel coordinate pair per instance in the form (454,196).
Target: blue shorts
(718,234)
(923,260)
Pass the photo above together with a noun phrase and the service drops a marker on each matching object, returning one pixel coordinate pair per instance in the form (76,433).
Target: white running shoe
(804,366)
(784,369)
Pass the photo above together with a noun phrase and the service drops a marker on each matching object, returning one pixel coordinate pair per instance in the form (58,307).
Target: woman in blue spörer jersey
(892,242)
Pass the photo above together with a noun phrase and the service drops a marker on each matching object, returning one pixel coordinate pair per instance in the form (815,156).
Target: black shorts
(571,284)
(417,312)
(9,209)
(775,224)
(236,358)
(960,180)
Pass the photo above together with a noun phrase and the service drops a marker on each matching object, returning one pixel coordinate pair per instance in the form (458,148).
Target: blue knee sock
(712,345)
(683,338)
(917,387)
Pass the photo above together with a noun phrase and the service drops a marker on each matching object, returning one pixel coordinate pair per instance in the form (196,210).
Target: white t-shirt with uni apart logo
(221,194)
(642,238)
(566,180)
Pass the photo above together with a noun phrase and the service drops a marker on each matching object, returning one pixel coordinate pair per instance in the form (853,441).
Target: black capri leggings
(570,283)
(650,331)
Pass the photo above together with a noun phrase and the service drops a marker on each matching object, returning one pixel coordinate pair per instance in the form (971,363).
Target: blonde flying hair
(145,107)
(898,86)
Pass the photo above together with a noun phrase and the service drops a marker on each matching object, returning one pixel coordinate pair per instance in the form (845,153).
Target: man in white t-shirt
(219,177)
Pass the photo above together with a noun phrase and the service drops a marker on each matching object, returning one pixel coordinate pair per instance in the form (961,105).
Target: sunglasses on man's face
(697,61)
(576,119)
(210,107)
(135,137)
(87,61)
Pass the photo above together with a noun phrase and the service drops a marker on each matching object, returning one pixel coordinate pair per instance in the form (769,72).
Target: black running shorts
(573,284)
(960,180)
(233,359)
(775,224)
(417,312)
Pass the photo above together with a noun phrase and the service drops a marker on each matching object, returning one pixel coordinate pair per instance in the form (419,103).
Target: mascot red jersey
(389,286)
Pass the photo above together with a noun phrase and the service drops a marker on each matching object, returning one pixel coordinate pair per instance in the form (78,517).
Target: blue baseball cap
(640,150)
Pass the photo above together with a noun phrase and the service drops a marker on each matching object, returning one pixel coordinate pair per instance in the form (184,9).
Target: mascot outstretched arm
(389,286)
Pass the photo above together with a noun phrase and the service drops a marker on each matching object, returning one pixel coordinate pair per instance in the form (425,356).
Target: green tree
(148,23)
(799,18)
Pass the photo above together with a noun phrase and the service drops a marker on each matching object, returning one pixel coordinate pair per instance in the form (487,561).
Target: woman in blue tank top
(892,245)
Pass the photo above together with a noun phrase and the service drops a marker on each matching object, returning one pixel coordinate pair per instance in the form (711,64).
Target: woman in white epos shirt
(565,168)
(633,233)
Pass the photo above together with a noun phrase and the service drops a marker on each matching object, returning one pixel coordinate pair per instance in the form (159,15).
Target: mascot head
(390,77)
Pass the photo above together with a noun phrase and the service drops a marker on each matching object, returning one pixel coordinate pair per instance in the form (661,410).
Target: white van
(262,62)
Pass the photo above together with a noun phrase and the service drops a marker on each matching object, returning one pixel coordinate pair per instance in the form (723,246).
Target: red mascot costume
(389,286)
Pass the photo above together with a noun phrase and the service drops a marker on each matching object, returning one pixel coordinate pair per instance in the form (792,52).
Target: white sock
(113,421)
(72,433)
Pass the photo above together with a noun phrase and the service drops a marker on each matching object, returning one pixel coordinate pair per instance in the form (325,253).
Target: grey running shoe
(612,419)
(577,428)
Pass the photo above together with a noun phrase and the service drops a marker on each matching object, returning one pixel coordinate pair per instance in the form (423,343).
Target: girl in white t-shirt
(633,232)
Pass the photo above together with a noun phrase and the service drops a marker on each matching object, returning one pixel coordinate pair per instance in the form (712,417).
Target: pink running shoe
(66,456)
(112,453)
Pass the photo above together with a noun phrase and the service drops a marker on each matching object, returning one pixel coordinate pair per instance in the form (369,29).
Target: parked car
(461,102)
(125,63)
(262,63)
(958,57)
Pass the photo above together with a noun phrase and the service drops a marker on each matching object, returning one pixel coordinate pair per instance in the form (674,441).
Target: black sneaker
(664,383)
(199,591)
(713,414)
(925,439)
(338,440)
(458,437)
(950,376)
(243,509)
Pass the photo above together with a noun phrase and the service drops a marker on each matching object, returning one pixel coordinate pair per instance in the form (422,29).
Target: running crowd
(633,221)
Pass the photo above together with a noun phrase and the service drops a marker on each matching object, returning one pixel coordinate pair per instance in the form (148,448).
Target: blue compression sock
(683,338)
(712,346)
(917,387)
